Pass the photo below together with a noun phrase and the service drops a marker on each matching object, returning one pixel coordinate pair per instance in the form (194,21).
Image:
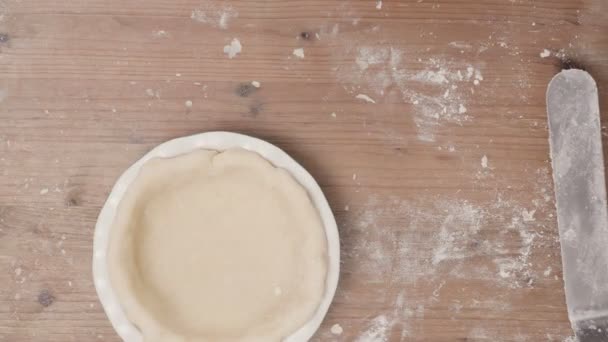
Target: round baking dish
(219,141)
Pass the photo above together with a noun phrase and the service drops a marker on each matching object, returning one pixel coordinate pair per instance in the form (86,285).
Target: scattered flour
(488,241)
(188,103)
(256,84)
(44,191)
(459,236)
(449,245)
(214,15)
(368,55)
(233,49)
(377,330)
(431,76)
(298,52)
(480,333)
(444,98)
(528,215)
(336,329)
(379,4)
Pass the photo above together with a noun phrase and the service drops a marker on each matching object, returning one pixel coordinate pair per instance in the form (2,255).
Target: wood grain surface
(439,243)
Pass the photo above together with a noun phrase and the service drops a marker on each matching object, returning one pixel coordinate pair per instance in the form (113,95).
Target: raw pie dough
(217,247)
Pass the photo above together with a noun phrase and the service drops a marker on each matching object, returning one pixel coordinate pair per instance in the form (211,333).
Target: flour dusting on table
(214,15)
(459,234)
(445,240)
(438,90)
(377,331)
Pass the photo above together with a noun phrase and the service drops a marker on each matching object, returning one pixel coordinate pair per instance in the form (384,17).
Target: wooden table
(423,121)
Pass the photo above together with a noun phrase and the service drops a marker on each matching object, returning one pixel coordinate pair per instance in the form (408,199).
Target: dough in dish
(217,246)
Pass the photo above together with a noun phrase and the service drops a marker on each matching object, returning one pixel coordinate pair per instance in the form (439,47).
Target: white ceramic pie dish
(219,141)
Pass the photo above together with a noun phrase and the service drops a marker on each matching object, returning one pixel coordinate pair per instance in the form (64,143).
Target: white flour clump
(546,53)
(365,98)
(299,52)
(233,49)
(336,329)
